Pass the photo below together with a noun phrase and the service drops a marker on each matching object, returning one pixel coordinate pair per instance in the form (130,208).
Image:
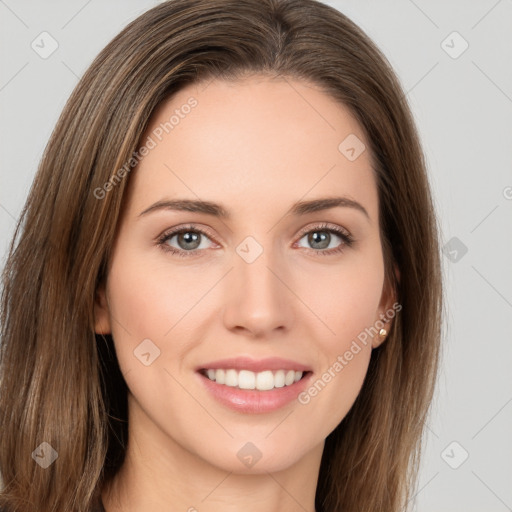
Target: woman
(224,292)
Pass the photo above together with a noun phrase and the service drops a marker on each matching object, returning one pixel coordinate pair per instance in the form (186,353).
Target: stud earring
(383,333)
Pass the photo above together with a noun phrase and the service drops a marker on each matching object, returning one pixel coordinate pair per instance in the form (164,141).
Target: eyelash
(347,238)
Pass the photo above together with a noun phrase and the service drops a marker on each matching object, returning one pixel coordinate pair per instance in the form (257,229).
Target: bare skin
(255,146)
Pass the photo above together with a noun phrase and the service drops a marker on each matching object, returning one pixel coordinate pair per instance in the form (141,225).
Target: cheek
(148,299)
(346,300)
(149,302)
(349,307)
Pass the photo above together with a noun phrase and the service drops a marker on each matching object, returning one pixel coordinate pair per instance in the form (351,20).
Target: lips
(267,393)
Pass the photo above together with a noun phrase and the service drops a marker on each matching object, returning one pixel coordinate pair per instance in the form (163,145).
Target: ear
(101,312)
(388,308)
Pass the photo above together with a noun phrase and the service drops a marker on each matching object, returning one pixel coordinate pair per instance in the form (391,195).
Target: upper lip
(255,365)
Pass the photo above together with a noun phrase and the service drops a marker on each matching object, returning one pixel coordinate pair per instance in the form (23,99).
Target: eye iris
(188,237)
(319,237)
(190,240)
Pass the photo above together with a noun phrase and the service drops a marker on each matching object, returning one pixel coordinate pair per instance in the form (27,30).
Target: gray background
(462,103)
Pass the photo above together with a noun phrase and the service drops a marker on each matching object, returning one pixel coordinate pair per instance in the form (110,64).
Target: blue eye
(189,241)
(188,237)
(321,237)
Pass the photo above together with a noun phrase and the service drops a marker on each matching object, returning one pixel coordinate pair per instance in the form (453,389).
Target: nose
(258,297)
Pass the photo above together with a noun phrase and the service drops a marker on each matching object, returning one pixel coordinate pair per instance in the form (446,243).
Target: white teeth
(262,381)
(246,380)
(231,378)
(279,379)
(220,376)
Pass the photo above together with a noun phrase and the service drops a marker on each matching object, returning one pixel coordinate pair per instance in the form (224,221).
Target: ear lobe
(388,303)
(101,312)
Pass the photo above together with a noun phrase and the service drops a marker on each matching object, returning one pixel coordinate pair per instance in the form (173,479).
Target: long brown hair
(60,382)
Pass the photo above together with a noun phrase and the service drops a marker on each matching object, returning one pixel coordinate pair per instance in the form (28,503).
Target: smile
(254,400)
(246,379)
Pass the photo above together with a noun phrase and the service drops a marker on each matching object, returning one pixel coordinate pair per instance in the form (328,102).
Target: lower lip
(254,401)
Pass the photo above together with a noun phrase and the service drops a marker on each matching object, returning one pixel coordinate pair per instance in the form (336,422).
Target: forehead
(255,143)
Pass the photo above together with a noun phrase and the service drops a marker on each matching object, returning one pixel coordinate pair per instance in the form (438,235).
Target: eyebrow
(217,210)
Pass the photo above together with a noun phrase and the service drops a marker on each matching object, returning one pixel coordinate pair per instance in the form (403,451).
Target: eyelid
(323,225)
(205,230)
(339,231)
(186,227)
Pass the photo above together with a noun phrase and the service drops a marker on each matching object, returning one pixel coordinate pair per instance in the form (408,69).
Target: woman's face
(258,286)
